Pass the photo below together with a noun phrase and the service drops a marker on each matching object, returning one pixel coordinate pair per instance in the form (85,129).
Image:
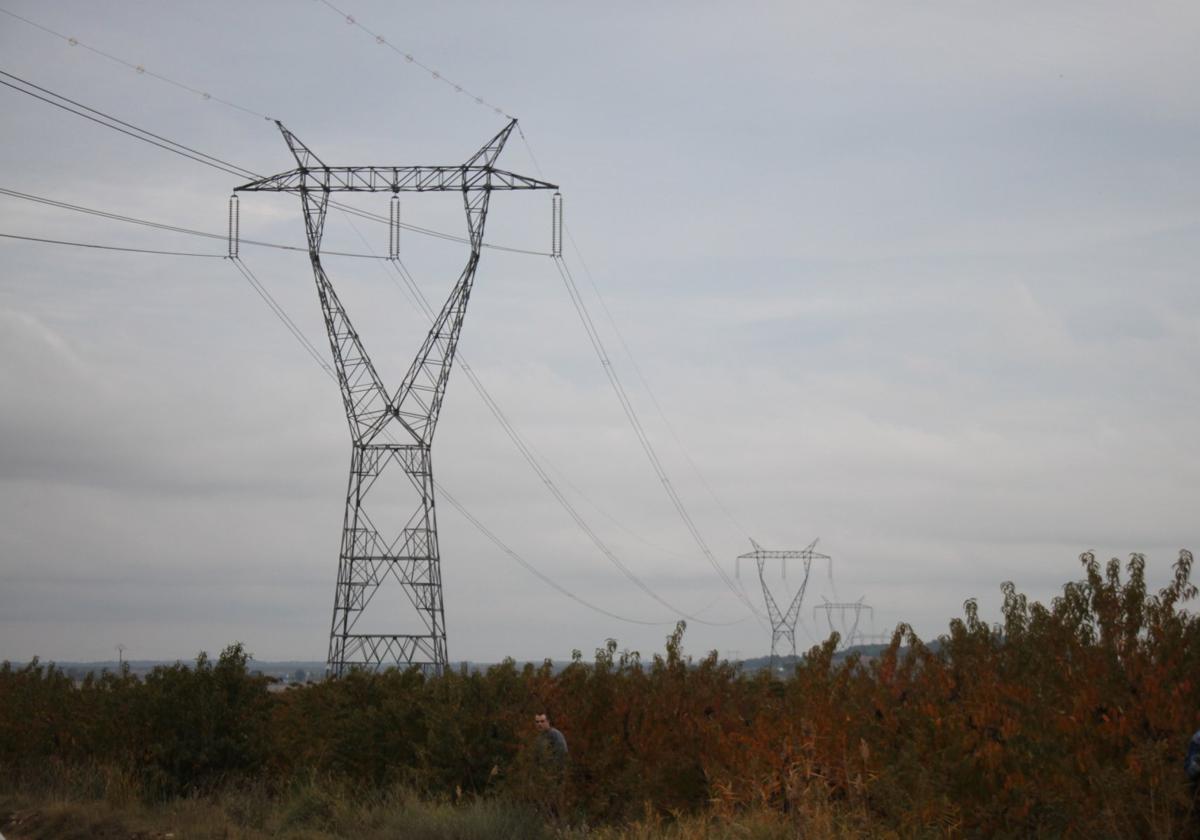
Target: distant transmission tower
(783,625)
(389,535)
(847,628)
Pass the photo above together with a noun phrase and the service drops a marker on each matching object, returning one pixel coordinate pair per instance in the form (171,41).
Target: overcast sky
(914,278)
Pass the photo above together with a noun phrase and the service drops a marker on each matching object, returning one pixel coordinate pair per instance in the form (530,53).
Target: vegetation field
(1064,720)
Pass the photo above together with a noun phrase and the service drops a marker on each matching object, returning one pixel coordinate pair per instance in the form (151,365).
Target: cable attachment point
(394,228)
(556,224)
(234,226)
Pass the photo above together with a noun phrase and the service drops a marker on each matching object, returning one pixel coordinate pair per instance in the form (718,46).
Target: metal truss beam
(396,179)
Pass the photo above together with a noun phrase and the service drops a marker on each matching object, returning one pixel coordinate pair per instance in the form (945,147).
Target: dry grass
(99,804)
(206,818)
(73,804)
(755,825)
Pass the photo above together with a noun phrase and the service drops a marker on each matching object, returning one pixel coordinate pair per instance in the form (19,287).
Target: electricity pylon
(783,624)
(372,553)
(848,631)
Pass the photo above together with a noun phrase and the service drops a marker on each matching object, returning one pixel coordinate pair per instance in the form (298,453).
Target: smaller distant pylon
(848,629)
(783,624)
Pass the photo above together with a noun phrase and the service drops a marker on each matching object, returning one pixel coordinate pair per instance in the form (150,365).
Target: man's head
(542,721)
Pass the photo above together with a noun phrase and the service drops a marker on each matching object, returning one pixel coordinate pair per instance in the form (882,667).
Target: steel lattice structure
(849,632)
(372,557)
(783,624)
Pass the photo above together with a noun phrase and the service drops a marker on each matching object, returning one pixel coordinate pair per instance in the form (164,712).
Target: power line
(632,360)
(640,432)
(531,569)
(129,129)
(627,406)
(281,314)
(140,69)
(109,247)
(612,322)
(105,214)
(741,590)
(604,513)
(434,74)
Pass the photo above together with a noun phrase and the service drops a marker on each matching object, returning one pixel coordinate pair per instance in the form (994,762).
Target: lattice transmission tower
(849,616)
(783,624)
(389,533)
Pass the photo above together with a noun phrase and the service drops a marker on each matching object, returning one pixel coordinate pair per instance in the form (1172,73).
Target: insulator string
(394,228)
(234,226)
(556,224)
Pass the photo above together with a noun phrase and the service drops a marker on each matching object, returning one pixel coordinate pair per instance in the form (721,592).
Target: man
(551,743)
(551,764)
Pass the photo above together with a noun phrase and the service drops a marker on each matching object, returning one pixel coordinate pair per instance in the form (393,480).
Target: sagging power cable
(117,217)
(612,322)
(643,439)
(108,247)
(140,69)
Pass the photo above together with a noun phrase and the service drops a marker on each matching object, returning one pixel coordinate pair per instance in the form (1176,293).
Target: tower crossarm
(787,555)
(395,179)
(809,552)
